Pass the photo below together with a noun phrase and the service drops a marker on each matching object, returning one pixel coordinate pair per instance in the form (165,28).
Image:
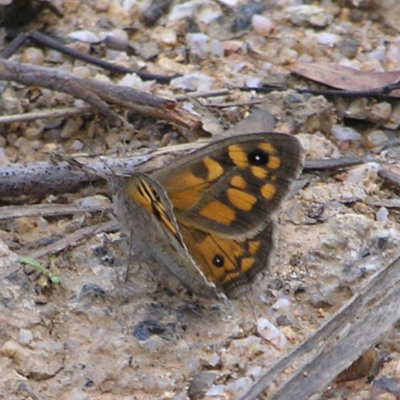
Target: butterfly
(207,217)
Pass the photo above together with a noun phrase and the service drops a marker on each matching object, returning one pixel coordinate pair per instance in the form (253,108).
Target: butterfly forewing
(234,185)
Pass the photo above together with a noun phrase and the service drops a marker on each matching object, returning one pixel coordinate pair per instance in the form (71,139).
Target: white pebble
(271,333)
(185,10)
(376,138)
(262,25)
(25,336)
(198,44)
(253,82)
(92,201)
(195,81)
(168,36)
(287,56)
(33,56)
(343,134)
(209,13)
(281,305)
(328,39)
(84,36)
(382,214)
(216,48)
(393,54)
(216,390)
(241,385)
(309,15)
(255,371)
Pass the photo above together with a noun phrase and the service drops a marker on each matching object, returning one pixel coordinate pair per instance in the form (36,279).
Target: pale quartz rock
(393,54)
(328,39)
(198,44)
(5,2)
(185,10)
(240,386)
(25,336)
(343,134)
(216,48)
(271,333)
(382,214)
(380,112)
(33,56)
(209,13)
(376,138)
(168,36)
(255,371)
(128,4)
(263,26)
(282,305)
(116,33)
(82,70)
(253,81)
(287,56)
(309,15)
(134,81)
(195,81)
(84,36)
(216,390)
(377,54)
(230,3)
(92,201)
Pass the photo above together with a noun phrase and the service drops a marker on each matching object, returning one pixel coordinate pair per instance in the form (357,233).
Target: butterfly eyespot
(218,261)
(258,157)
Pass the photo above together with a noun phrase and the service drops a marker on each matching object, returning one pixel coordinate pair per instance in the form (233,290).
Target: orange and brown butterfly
(208,216)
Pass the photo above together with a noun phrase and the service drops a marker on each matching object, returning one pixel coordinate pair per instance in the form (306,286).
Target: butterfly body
(207,217)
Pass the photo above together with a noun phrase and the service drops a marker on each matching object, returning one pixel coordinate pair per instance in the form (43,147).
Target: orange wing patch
(218,212)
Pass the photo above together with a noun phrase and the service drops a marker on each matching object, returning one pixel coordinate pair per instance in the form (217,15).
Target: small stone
(328,39)
(358,109)
(382,214)
(216,48)
(271,333)
(263,26)
(240,386)
(349,47)
(376,138)
(168,36)
(33,56)
(309,15)
(216,390)
(393,56)
(380,112)
(232,46)
(25,336)
(287,56)
(209,13)
(82,71)
(211,360)
(84,36)
(200,383)
(33,132)
(198,44)
(196,81)
(184,10)
(93,201)
(346,134)
(71,128)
